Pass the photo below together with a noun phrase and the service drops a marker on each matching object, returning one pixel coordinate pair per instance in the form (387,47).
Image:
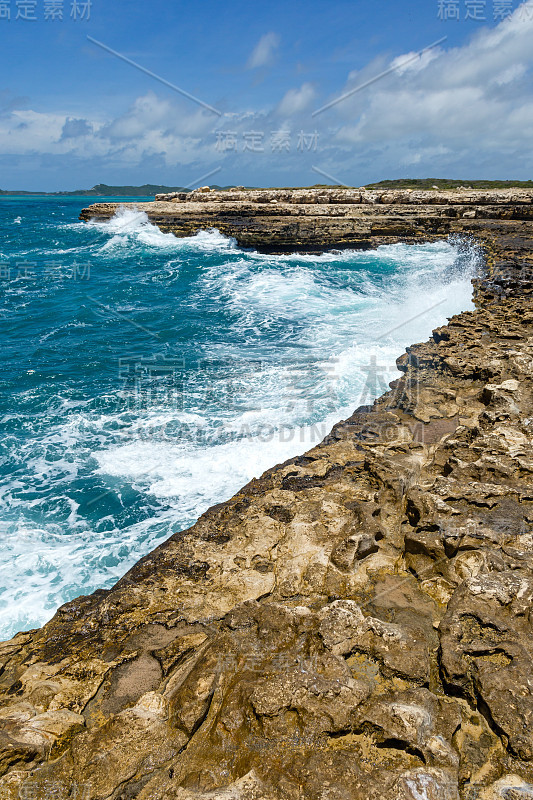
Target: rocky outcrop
(282,220)
(356,623)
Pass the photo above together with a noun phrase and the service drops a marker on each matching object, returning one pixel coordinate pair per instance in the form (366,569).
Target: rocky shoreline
(356,623)
(314,220)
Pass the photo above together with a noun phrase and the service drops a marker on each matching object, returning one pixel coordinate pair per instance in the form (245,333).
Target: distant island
(151,189)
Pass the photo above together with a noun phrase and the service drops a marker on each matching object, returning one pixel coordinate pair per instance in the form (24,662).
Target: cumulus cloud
(415,61)
(465,103)
(297,100)
(148,113)
(30,132)
(153,113)
(151,127)
(263,53)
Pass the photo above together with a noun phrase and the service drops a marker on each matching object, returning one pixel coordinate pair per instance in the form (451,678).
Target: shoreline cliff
(356,623)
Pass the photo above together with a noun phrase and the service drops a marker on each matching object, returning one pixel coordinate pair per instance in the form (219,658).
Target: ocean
(146,377)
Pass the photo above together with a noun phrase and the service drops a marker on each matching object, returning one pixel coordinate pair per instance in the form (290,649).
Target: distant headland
(103,190)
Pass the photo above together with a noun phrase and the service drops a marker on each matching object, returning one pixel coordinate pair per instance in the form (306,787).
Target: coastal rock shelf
(355,624)
(313,220)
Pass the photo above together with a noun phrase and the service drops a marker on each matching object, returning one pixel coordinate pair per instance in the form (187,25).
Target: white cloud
(296,100)
(147,113)
(263,53)
(30,131)
(511,74)
(151,126)
(414,62)
(458,112)
(470,104)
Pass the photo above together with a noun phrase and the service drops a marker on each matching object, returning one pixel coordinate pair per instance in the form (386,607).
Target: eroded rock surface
(356,623)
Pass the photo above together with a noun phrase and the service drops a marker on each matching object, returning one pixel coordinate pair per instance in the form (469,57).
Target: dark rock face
(354,624)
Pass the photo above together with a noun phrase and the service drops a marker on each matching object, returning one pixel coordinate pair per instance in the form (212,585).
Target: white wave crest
(130,226)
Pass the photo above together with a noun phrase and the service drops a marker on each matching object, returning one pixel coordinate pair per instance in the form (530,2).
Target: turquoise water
(145,378)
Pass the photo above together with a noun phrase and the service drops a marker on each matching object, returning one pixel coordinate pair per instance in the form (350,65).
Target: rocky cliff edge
(354,624)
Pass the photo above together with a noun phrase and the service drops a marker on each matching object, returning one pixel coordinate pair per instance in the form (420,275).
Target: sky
(272,94)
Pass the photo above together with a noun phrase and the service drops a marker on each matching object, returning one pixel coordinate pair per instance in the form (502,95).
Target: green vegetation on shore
(446,183)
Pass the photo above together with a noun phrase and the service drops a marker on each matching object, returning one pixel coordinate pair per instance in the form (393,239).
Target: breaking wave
(169,372)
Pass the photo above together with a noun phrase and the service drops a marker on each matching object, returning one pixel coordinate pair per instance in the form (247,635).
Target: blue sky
(72,114)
